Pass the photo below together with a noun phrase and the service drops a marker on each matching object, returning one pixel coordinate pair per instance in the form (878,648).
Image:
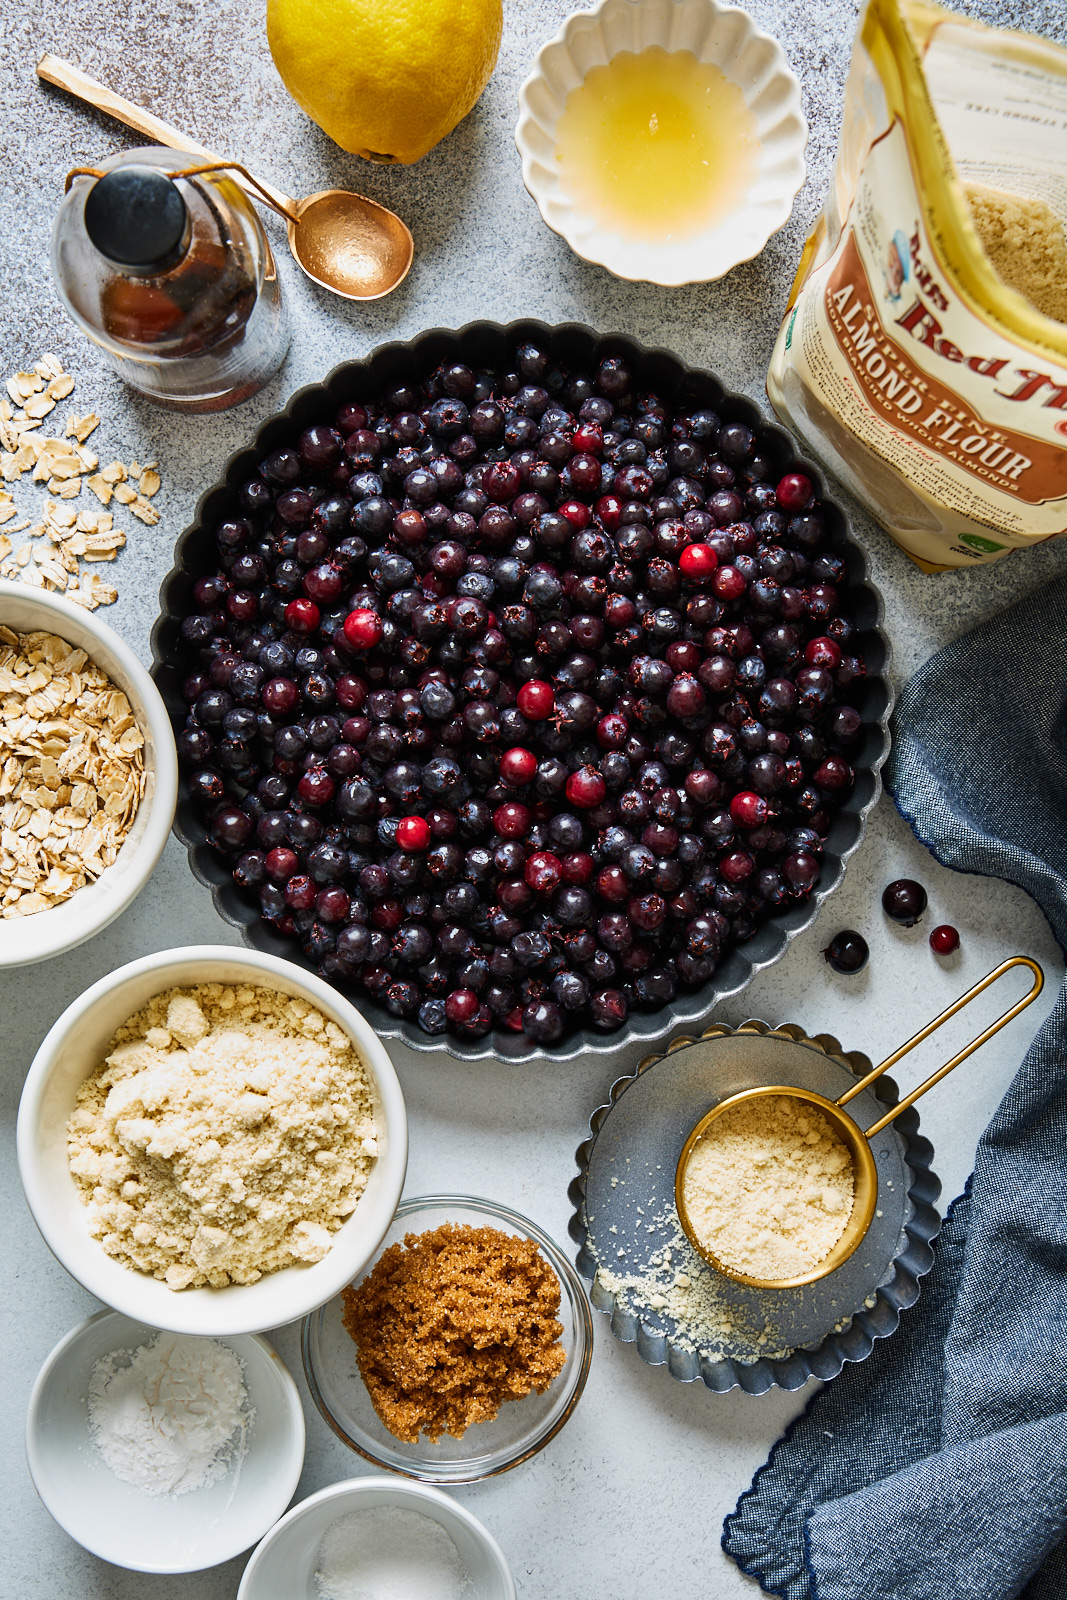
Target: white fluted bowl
(717,35)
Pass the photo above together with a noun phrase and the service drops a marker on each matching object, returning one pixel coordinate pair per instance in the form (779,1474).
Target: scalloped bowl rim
(688,1007)
(601,246)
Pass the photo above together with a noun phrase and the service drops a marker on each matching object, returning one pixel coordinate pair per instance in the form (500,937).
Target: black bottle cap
(136,217)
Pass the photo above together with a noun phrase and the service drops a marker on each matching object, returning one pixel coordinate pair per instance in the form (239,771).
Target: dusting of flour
(229,1132)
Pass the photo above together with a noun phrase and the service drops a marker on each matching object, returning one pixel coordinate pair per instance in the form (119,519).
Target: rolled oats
(71,769)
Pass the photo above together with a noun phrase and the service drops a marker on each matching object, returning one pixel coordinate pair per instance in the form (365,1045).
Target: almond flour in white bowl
(73,1051)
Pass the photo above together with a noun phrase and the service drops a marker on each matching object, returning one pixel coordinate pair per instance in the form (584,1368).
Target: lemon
(387,79)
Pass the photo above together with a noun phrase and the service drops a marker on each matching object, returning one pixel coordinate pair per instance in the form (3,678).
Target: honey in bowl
(657,146)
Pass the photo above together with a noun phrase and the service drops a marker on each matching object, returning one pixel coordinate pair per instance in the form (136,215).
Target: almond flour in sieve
(769,1187)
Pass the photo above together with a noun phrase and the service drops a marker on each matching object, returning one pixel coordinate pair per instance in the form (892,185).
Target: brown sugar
(451,1324)
(1025,243)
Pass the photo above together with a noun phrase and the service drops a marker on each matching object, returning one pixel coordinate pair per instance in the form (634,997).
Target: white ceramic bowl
(717,35)
(161,1533)
(283,1567)
(49,933)
(74,1048)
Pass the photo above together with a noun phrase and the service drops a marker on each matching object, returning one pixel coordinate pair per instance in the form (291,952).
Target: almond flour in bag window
(930,376)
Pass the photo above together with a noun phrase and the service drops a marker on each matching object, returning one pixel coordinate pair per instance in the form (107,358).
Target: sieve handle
(975,1044)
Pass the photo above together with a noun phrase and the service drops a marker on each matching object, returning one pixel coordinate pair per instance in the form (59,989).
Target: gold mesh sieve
(855,1138)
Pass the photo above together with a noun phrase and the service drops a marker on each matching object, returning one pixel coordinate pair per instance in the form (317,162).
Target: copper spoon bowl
(344,242)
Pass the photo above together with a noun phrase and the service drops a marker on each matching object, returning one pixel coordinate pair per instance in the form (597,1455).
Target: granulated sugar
(769,1187)
(388,1553)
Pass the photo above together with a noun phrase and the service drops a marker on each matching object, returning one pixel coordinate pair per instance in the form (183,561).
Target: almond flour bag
(936,391)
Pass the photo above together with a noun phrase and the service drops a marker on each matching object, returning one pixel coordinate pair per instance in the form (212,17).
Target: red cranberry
(543,871)
(794,491)
(536,700)
(413,834)
(586,788)
(302,616)
(736,866)
(576,513)
(698,562)
(944,940)
(749,810)
(363,629)
(512,820)
(517,767)
(728,583)
(280,696)
(316,787)
(822,652)
(577,868)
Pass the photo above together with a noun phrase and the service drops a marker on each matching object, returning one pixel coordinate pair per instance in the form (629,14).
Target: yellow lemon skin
(386,79)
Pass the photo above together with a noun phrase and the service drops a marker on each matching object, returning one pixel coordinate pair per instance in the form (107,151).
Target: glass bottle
(172,276)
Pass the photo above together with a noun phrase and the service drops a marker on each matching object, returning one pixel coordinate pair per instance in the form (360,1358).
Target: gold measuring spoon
(855,1138)
(343,241)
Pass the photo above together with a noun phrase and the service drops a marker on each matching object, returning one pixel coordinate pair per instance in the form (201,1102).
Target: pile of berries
(516,699)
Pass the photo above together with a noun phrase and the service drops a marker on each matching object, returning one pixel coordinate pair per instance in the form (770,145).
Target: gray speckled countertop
(629,1498)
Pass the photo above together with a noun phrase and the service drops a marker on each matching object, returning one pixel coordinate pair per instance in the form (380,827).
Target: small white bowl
(717,35)
(76,1046)
(49,933)
(283,1567)
(162,1533)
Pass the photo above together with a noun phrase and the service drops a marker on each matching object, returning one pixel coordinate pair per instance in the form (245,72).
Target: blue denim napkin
(937,1469)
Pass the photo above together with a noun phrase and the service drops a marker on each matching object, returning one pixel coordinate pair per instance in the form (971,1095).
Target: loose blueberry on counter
(847,951)
(904,901)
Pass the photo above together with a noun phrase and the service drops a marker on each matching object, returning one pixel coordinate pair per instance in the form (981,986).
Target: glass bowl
(520,1428)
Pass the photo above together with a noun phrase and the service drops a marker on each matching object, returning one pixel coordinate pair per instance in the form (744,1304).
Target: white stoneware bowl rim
(277,1460)
(377,1489)
(73,1048)
(725,34)
(49,933)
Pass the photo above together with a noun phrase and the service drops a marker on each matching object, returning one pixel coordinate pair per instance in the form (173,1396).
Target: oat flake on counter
(230,1132)
(62,536)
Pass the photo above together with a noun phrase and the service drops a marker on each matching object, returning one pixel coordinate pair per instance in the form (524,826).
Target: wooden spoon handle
(65,76)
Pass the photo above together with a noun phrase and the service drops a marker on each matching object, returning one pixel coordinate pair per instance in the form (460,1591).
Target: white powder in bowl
(769,1187)
(171,1416)
(386,1553)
